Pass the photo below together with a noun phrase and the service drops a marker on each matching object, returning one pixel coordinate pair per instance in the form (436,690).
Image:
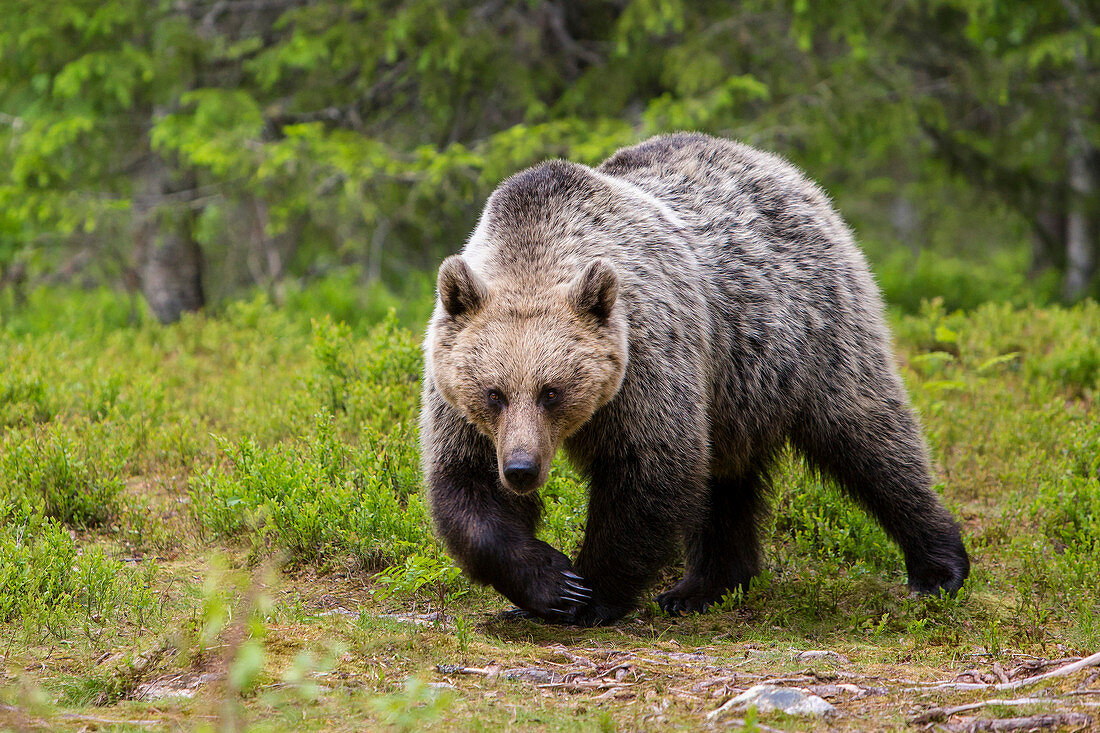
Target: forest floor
(217,525)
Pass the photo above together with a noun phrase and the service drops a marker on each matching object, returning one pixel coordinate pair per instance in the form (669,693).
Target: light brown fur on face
(526,369)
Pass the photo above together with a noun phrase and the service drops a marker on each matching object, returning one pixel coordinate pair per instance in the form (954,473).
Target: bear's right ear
(460,289)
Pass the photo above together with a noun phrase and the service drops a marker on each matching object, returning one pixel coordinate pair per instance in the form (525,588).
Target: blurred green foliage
(361,137)
(69,472)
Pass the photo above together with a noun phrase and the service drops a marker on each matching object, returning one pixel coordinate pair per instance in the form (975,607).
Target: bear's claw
(516,613)
(572,605)
(563,616)
(578,589)
(574,592)
(679,601)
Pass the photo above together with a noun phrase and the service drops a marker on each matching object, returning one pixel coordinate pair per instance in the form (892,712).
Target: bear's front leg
(490,532)
(488,529)
(635,512)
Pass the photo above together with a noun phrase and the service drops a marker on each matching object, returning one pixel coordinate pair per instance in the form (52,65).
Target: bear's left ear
(594,291)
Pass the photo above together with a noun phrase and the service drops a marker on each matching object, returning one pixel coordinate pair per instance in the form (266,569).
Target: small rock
(530,674)
(790,700)
(824,654)
(450,669)
(830,692)
(184,685)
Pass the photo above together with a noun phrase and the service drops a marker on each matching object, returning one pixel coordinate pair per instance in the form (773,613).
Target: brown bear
(672,318)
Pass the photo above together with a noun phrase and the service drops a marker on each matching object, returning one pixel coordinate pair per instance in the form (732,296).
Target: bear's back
(790,294)
(762,229)
(727,188)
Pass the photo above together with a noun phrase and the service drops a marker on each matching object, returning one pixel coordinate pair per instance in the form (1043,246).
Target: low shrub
(73,476)
(51,584)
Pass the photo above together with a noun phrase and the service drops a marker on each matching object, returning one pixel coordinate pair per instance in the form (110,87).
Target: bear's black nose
(521,473)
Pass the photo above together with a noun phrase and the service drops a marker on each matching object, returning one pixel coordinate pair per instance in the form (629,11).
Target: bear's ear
(460,289)
(594,291)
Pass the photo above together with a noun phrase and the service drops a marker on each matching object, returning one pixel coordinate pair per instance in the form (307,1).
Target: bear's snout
(521,472)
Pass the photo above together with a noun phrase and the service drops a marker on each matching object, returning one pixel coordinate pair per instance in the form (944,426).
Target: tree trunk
(171,272)
(14,276)
(1048,236)
(168,260)
(1080,238)
(906,220)
(374,256)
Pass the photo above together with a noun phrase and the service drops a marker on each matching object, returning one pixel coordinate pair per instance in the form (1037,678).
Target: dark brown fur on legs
(722,552)
(669,319)
(491,529)
(641,493)
(878,457)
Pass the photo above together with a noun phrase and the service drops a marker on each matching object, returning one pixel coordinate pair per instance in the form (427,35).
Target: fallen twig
(939,715)
(1034,722)
(616,668)
(576,686)
(714,681)
(1090,661)
(614,692)
(801,679)
(575,658)
(680,692)
(491,671)
(108,721)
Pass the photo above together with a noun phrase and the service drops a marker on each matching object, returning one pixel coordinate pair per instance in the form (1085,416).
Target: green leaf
(1009,358)
(945,335)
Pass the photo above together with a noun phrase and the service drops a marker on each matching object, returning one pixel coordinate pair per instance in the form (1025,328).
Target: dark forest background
(186,152)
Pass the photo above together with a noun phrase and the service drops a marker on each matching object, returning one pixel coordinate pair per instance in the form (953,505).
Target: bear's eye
(495,398)
(550,396)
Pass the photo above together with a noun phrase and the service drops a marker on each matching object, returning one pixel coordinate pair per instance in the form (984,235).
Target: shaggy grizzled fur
(671,318)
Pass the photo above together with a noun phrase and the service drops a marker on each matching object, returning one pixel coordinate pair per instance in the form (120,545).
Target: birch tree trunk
(168,260)
(1080,237)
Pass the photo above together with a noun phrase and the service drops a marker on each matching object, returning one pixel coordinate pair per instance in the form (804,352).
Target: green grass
(211,504)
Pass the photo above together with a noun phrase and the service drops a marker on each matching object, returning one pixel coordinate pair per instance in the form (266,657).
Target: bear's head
(528,366)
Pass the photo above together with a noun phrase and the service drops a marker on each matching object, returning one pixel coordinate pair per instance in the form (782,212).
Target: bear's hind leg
(878,456)
(723,551)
